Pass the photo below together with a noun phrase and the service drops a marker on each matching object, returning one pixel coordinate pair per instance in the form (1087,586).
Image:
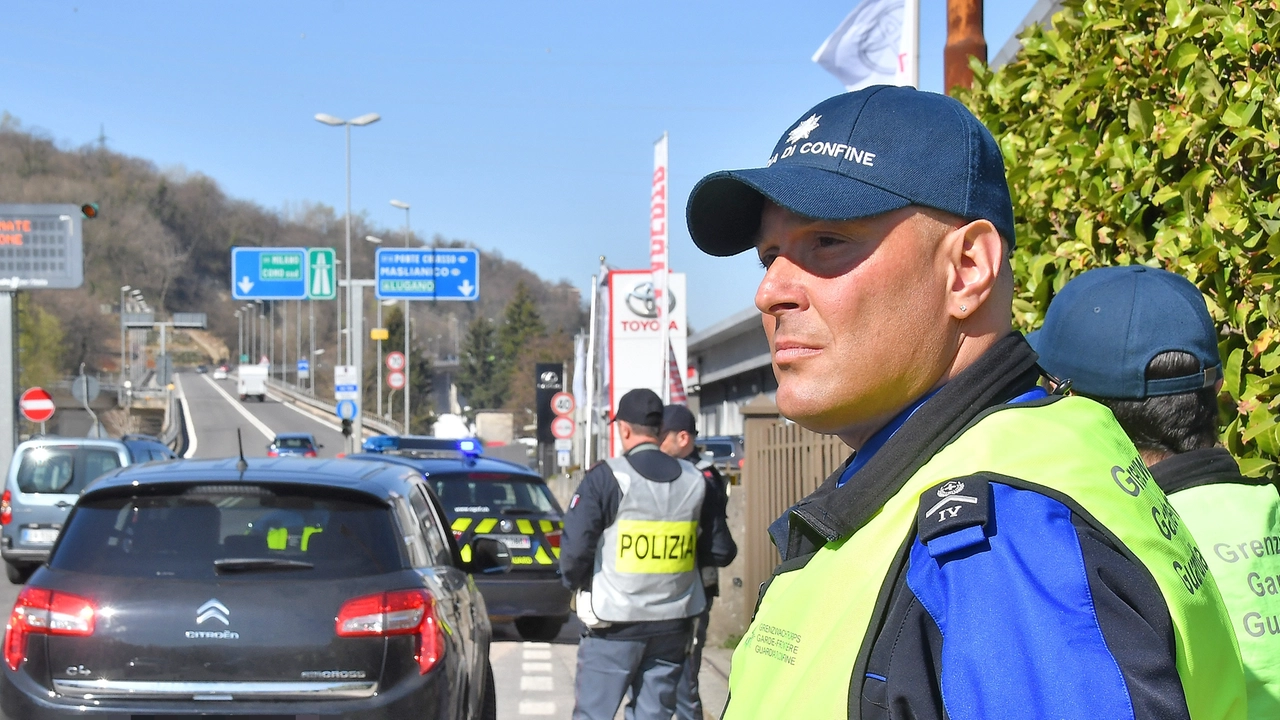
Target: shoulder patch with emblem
(573,502)
(954,515)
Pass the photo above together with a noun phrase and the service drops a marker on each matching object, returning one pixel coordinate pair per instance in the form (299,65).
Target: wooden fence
(784,463)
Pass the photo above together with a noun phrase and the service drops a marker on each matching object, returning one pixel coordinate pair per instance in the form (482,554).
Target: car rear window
(188,533)
(63,469)
(720,450)
(492,492)
(302,443)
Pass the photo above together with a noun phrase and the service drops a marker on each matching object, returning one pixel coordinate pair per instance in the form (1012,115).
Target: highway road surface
(533,680)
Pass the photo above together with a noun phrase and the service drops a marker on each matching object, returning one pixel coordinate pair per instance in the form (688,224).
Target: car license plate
(513,542)
(42,536)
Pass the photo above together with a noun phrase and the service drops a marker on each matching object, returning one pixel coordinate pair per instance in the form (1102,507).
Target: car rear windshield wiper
(518,511)
(228,565)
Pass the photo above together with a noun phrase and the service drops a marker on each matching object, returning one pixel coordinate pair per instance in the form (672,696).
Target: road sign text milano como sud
(428,274)
(282,273)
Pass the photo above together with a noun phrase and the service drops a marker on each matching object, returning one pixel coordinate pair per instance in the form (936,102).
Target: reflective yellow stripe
(465,553)
(307,532)
(461,524)
(525,526)
(277,538)
(486,525)
(545,526)
(521,560)
(655,546)
(555,551)
(542,557)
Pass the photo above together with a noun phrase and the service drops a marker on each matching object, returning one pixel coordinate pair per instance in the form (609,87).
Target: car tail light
(6,508)
(45,612)
(309,453)
(399,612)
(553,538)
(272,453)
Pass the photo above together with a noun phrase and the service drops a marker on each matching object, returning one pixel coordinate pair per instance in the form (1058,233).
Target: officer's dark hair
(1170,424)
(645,430)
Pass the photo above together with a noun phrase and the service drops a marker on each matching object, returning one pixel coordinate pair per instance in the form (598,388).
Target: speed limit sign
(562,428)
(395,360)
(562,403)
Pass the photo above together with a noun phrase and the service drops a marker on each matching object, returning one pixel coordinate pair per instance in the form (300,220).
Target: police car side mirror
(488,557)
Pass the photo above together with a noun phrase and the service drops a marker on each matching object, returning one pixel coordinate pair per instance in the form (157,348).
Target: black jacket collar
(1199,467)
(1005,371)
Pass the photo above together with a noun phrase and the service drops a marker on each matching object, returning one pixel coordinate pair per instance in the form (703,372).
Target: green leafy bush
(1137,131)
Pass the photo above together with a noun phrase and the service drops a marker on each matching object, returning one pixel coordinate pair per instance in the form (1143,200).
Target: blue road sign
(269,273)
(428,274)
(346,409)
(303,366)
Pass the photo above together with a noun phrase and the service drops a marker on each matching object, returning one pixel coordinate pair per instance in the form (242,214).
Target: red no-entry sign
(36,405)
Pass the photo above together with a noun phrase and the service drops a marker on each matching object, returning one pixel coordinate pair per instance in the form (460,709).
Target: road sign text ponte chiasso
(428,274)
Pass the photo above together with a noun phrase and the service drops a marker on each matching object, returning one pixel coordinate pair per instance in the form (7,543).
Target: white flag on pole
(877,44)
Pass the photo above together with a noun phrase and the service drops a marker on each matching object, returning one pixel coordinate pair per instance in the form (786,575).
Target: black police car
(282,588)
(489,498)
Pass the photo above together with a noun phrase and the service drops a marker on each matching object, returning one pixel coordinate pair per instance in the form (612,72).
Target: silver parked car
(45,478)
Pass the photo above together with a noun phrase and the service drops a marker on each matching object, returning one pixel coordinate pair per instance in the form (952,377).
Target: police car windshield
(198,533)
(492,493)
(63,468)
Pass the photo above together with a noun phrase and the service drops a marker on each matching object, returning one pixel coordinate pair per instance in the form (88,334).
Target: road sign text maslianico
(428,274)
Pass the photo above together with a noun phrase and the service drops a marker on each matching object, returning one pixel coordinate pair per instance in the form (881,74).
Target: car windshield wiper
(228,565)
(518,511)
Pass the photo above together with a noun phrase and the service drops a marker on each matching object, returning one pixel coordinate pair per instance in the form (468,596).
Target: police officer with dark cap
(1140,340)
(630,553)
(679,436)
(987,550)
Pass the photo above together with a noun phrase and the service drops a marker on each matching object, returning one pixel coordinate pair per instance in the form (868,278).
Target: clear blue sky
(524,127)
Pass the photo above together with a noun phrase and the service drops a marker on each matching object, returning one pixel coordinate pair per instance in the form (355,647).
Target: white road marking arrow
(245,284)
(467,288)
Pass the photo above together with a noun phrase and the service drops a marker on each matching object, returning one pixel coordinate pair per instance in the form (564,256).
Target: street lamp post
(123,340)
(378,241)
(346,125)
(408,360)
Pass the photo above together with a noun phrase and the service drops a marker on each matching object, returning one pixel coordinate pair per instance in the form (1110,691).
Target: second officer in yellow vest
(630,552)
(987,551)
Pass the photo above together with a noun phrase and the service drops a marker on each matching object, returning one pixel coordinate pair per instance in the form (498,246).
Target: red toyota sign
(36,405)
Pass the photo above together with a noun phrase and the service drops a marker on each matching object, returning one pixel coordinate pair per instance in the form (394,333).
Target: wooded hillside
(170,234)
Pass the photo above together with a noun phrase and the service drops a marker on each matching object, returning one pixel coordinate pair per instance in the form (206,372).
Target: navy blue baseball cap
(857,155)
(1106,325)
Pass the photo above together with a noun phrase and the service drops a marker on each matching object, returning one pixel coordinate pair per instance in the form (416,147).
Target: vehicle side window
(415,545)
(432,532)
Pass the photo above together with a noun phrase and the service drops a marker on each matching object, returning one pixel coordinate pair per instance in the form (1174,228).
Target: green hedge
(1137,131)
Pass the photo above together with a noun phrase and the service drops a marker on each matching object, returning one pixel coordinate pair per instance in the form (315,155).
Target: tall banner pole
(588,450)
(658,255)
(909,48)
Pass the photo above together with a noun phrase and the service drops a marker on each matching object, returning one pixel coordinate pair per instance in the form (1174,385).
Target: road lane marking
(261,426)
(537,707)
(536,682)
(283,401)
(537,654)
(186,418)
(536,667)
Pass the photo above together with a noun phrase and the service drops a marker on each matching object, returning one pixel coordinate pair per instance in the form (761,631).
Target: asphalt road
(215,417)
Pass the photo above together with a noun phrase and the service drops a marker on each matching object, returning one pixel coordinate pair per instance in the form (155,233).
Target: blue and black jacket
(1069,600)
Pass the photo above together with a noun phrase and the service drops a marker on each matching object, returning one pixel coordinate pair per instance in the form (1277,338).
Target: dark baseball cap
(1105,326)
(857,155)
(677,418)
(641,406)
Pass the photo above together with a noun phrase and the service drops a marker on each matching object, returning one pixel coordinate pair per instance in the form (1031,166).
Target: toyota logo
(640,300)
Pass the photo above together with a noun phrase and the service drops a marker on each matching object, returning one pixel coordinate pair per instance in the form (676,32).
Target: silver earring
(963,309)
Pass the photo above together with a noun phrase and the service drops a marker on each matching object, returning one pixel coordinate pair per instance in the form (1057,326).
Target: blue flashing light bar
(470,447)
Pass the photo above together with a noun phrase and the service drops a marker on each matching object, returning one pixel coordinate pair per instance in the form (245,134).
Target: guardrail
(371,422)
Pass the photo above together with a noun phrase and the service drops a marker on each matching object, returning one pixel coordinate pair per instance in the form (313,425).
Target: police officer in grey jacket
(630,553)
(679,439)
